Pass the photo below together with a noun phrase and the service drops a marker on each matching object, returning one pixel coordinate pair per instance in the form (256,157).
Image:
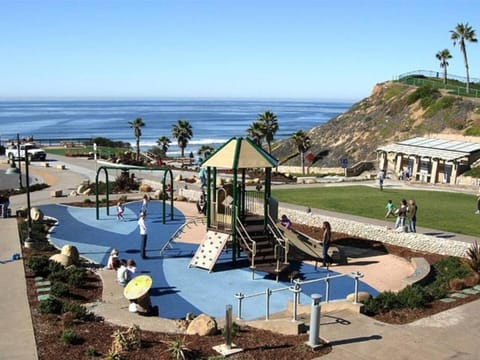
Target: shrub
(87,201)
(473,257)
(76,277)
(426,94)
(443,103)
(59,290)
(473,131)
(91,352)
(39,265)
(412,297)
(78,311)
(177,349)
(51,306)
(57,272)
(70,337)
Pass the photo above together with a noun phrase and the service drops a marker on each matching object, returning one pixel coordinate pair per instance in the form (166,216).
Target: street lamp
(13,169)
(28,240)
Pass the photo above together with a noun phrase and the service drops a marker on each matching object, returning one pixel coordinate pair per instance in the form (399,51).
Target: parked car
(34,152)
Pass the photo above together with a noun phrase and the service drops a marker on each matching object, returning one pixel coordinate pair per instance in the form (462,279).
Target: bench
(421,271)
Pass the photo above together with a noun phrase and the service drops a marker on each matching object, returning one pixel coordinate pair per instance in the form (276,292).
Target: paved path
(451,334)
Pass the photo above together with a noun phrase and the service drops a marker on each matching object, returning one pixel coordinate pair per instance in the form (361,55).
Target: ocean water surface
(213,121)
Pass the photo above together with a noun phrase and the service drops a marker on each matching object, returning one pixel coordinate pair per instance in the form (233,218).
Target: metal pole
(240,297)
(228,327)
(19,163)
(268,293)
(314,337)
(296,291)
(327,288)
(28,240)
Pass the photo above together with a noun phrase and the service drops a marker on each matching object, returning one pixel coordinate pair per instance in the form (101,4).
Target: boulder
(202,325)
(363,296)
(62,259)
(157,194)
(72,252)
(81,188)
(36,214)
(145,188)
(180,198)
(87,192)
(178,177)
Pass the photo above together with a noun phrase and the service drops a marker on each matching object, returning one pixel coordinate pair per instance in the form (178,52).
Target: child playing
(120,210)
(122,273)
(286,222)
(131,269)
(112,260)
(390,209)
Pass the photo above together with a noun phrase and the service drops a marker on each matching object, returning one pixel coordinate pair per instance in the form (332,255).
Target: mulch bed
(258,344)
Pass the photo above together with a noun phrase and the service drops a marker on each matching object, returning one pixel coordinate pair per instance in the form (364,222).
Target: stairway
(265,260)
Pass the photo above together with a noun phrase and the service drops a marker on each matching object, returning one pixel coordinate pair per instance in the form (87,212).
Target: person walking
(326,240)
(143,233)
(380,178)
(412,216)
(144,207)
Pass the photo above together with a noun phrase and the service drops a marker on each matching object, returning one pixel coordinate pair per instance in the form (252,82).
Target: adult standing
(5,203)
(144,207)
(143,233)
(401,215)
(326,240)
(412,216)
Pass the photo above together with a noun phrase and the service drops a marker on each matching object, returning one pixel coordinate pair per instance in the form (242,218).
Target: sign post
(344,165)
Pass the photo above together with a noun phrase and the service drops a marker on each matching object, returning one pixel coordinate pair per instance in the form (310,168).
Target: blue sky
(270,49)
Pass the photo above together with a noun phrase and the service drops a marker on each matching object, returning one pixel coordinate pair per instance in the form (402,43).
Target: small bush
(76,277)
(473,131)
(57,272)
(426,94)
(87,201)
(473,257)
(51,306)
(178,349)
(412,297)
(59,290)
(70,337)
(39,265)
(78,311)
(91,352)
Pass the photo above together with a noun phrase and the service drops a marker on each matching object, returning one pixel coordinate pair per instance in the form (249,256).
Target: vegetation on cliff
(393,112)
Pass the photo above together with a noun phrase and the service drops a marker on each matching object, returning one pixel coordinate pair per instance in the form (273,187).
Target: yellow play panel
(137,287)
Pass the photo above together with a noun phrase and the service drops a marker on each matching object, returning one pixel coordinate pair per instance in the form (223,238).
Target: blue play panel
(178,289)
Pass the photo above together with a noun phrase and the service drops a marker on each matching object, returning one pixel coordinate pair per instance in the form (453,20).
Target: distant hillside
(393,112)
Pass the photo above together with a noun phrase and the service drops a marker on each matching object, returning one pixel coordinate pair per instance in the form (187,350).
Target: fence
(296,290)
(426,77)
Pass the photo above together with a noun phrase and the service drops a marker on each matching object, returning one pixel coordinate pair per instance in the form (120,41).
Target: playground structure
(125,168)
(246,220)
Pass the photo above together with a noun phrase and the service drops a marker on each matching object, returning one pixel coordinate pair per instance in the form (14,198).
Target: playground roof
(240,153)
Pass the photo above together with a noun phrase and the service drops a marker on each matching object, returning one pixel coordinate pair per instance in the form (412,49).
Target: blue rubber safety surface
(178,289)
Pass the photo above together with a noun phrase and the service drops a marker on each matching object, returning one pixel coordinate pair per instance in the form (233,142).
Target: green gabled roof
(240,153)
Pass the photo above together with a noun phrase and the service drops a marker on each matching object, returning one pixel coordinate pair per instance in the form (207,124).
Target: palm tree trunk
(138,148)
(445,75)
(302,162)
(466,68)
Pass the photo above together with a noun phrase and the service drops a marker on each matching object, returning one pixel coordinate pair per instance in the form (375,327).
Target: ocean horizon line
(147,98)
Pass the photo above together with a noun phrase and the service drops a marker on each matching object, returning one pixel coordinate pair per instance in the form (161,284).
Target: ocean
(213,121)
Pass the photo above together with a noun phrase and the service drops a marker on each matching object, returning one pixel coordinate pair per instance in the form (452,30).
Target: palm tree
(136,125)
(443,56)
(205,151)
(462,33)
(303,142)
(182,131)
(255,133)
(269,127)
(164,142)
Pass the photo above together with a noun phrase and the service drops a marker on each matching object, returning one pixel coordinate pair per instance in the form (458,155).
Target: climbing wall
(209,250)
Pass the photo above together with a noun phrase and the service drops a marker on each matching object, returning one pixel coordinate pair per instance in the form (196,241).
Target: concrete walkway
(448,335)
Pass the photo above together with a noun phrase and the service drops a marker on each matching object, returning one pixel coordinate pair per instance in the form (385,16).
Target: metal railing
(250,244)
(179,231)
(296,290)
(282,242)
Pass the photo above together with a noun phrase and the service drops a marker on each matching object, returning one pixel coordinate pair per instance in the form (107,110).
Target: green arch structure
(167,172)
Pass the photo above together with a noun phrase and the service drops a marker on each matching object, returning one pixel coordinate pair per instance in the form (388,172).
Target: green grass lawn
(450,212)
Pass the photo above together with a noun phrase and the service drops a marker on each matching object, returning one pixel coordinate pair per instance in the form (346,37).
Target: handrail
(282,241)
(245,238)
(179,231)
(296,290)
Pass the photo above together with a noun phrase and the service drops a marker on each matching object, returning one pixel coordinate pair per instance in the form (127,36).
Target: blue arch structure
(167,172)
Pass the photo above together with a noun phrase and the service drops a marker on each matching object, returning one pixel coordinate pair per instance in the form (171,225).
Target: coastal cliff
(393,112)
